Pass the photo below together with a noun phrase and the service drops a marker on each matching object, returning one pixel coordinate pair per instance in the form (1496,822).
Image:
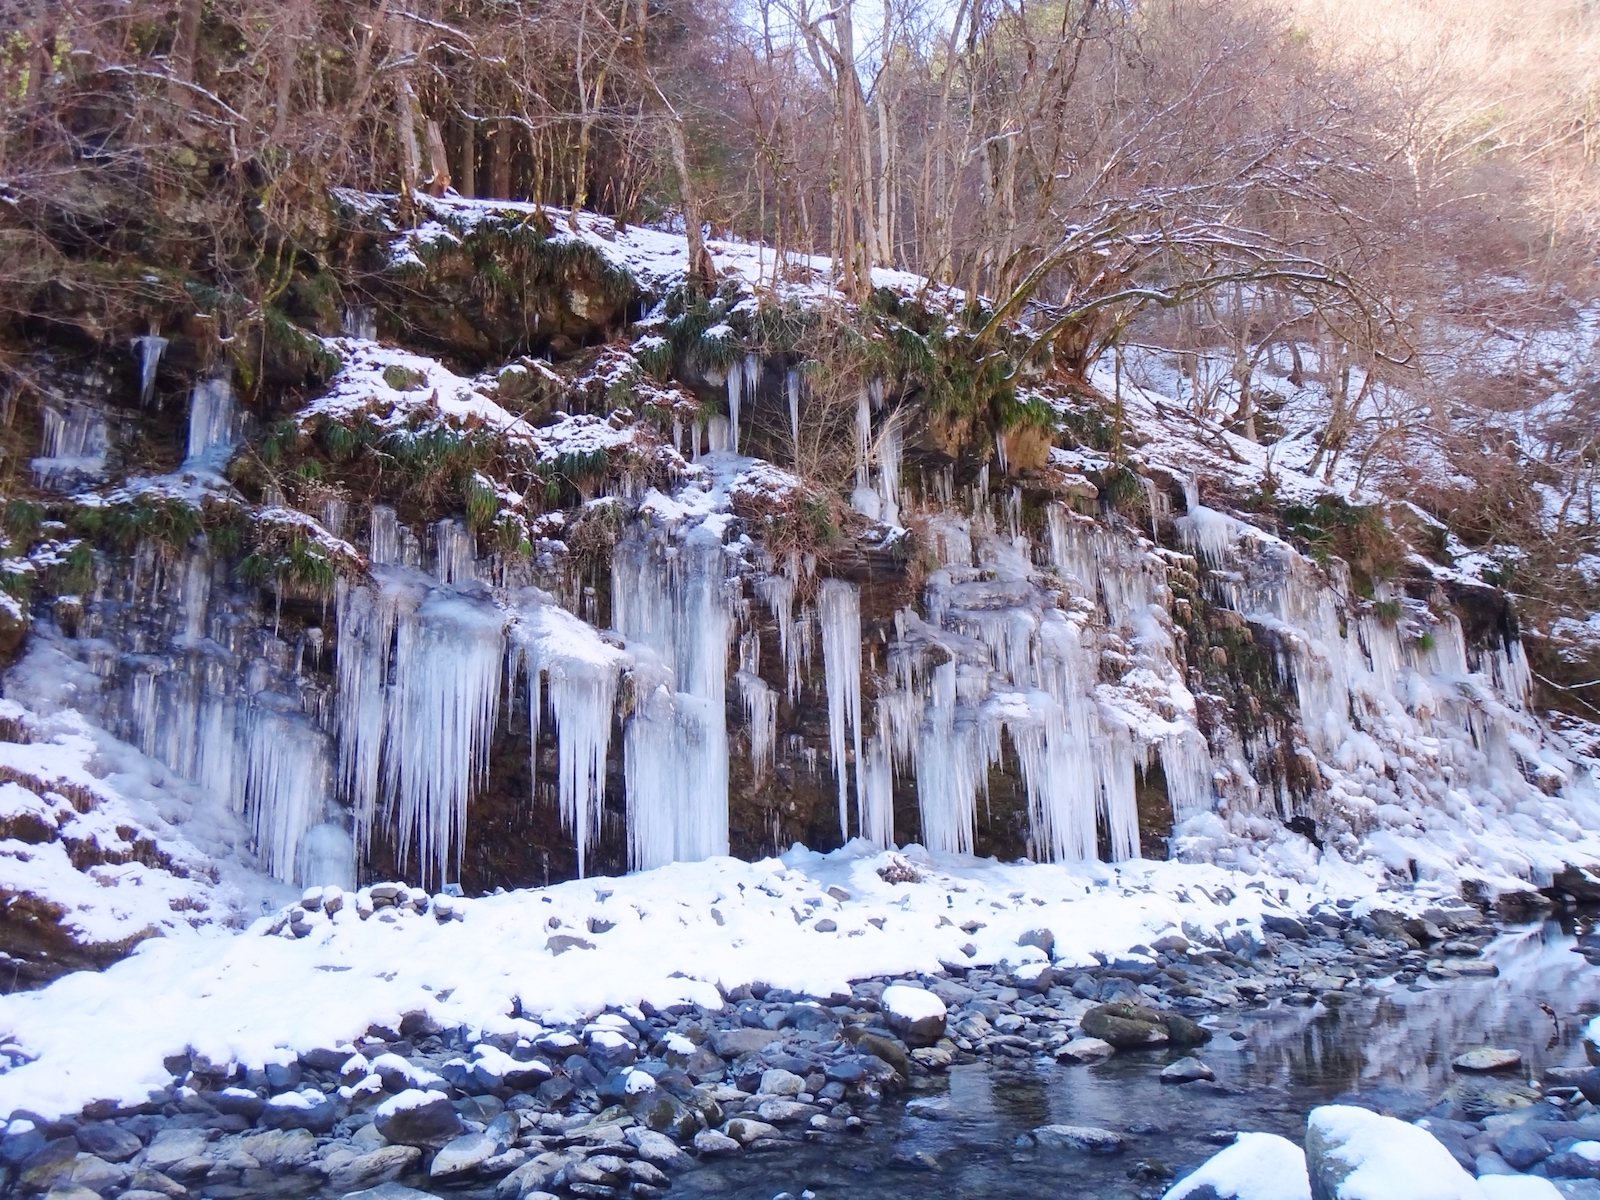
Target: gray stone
(110,1142)
(72,1191)
(461,1157)
(22,1145)
(1487,1058)
(562,942)
(1521,1147)
(785,1112)
(280,1149)
(1086,1139)
(731,1043)
(1570,1165)
(173,1146)
(535,1175)
(388,1191)
(1085,1050)
(713,1144)
(778,1082)
(744,1130)
(1287,927)
(1187,1070)
(97,1174)
(1490,1163)
(656,1148)
(238,1101)
(375,1167)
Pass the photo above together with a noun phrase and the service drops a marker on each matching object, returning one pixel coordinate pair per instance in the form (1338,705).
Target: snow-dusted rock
(1258,1166)
(915,1014)
(425,1119)
(305,1109)
(1518,1187)
(1354,1154)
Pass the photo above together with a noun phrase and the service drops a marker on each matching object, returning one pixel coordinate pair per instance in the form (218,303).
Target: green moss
(402,379)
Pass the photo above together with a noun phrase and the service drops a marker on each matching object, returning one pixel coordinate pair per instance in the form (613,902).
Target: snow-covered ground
(807,922)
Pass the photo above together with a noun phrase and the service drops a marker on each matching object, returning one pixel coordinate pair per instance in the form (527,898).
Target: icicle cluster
(215,425)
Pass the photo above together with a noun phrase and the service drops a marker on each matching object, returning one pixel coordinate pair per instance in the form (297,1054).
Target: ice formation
(214,424)
(149,348)
(839,613)
(419,673)
(565,657)
(669,601)
(74,444)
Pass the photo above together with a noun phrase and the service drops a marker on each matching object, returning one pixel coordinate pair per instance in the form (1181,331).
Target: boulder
(1521,1146)
(1125,1026)
(886,1051)
(1287,927)
(1041,939)
(731,1043)
(1257,1166)
(280,1150)
(426,1120)
(461,1157)
(172,1146)
(1354,1154)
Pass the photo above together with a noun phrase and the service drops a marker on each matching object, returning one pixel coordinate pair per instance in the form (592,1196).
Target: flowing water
(959,1139)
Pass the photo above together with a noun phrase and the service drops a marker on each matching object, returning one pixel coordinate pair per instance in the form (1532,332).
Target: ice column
(839,609)
(761,707)
(579,671)
(213,424)
(286,783)
(669,601)
(149,349)
(791,383)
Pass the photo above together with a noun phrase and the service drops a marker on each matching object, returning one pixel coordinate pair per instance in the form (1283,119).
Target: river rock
(383,1165)
(172,1146)
(426,1120)
(535,1175)
(1125,1026)
(886,1051)
(656,1148)
(1041,939)
(1257,1166)
(1085,1050)
(731,1043)
(110,1142)
(1086,1139)
(388,1191)
(461,1157)
(1487,1058)
(744,1130)
(1187,1070)
(1581,1160)
(1521,1146)
(714,1145)
(916,1014)
(280,1149)
(1354,1154)
(1288,927)
(305,1109)
(778,1082)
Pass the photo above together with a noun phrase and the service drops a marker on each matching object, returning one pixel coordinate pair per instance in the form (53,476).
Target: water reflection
(1272,1066)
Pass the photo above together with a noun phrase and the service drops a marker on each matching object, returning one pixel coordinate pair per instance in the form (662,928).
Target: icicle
(877,794)
(327,858)
(1000,453)
(1113,758)
(360,321)
(863,439)
(669,601)
(74,444)
(581,671)
(735,387)
(419,737)
(761,708)
(889,472)
(335,512)
(839,607)
(214,425)
(456,554)
(196,596)
(677,434)
(149,349)
(778,592)
(384,536)
(791,383)
(286,783)
(717,434)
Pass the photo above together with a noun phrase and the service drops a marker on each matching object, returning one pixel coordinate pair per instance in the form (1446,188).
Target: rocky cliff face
(491,555)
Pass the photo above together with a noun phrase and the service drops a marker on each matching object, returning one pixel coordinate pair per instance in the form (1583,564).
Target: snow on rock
(1355,1154)
(676,933)
(914,1013)
(1258,1166)
(1518,1187)
(89,837)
